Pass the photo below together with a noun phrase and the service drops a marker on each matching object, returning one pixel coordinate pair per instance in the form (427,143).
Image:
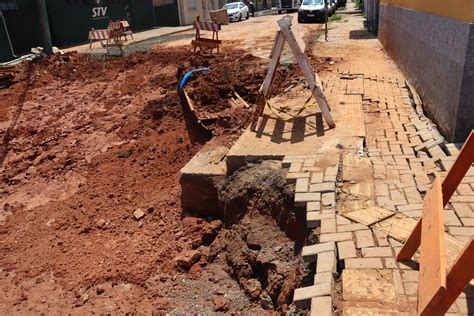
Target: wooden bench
(201,42)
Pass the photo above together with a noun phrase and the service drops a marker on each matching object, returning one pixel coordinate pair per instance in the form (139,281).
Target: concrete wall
(189,9)
(437,54)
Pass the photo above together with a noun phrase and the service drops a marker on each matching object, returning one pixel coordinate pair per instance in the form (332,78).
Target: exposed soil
(89,215)
(84,145)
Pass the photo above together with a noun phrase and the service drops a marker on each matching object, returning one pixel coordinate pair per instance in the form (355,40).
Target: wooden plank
(299,40)
(453,178)
(459,168)
(305,66)
(369,216)
(398,226)
(459,275)
(432,278)
(276,54)
(411,244)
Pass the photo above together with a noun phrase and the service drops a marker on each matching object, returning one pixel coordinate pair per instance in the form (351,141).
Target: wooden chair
(201,42)
(439,287)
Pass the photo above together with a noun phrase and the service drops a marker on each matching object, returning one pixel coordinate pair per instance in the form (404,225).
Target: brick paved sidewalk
(403,153)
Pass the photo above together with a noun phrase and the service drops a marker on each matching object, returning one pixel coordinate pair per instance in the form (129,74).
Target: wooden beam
(305,65)
(432,278)
(459,168)
(276,54)
(411,244)
(453,178)
(459,275)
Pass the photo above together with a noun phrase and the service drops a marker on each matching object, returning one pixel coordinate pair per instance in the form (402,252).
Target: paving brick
(381,189)
(363,263)
(411,288)
(323,277)
(413,214)
(302,198)
(302,185)
(295,167)
(381,238)
(351,227)
(461,231)
(313,206)
(323,187)
(364,239)
(342,220)
(329,211)
(328,225)
(328,199)
(397,281)
(409,276)
(321,306)
(313,219)
(410,207)
(335,237)
(332,170)
(462,198)
(309,162)
(377,252)
(309,253)
(317,177)
(291,177)
(390,263)
(462,209)
(346,249)
(302,296)
(467,221)
(451,219)
(326,262)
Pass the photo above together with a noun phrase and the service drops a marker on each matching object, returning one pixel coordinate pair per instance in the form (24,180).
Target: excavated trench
(260,242)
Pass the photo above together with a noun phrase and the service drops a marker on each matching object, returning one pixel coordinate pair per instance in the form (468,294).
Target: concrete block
(313,219)
(317,177)
(302,296)
(321,306)
(313,206)
(351,227)
(328,225)
(328,199)
(363,263)
(309,253)
(326,262)
(324,277)
(302,185)
(335,237)
(323,187)
(364,239)
(377,252)
(302,198)
(346,249)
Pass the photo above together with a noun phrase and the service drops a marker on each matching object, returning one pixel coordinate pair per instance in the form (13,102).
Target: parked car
(288,5)
(236,11)
(311,10)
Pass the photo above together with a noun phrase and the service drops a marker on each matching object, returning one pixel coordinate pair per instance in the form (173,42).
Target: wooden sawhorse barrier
(297,46)
(201,42)
(438,287)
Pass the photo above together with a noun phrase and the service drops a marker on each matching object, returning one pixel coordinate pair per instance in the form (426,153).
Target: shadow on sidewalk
(361,34)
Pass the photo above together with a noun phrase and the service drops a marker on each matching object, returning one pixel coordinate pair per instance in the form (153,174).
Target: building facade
(69,21)
(433,43)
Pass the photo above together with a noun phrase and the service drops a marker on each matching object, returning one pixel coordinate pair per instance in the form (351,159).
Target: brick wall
(437,54)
